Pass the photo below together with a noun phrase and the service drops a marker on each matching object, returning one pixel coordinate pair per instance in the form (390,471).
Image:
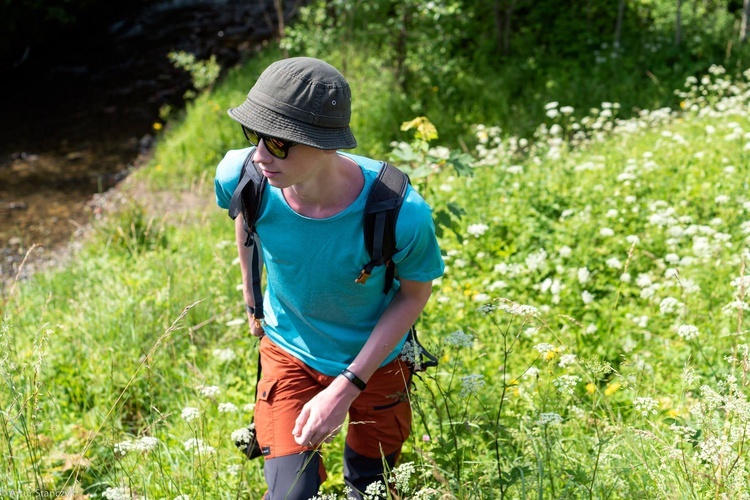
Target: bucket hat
(301,99)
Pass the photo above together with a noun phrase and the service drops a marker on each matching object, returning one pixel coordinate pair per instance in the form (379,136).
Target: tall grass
(590,323)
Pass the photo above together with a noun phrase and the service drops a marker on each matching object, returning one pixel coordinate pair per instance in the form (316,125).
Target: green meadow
(590,326)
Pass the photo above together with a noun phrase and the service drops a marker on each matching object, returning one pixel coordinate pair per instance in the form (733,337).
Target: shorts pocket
(264,423)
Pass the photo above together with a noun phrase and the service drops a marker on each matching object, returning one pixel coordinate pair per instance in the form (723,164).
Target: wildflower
(375,490)
(224,355)
(587,297)
(592,328)
(669,305)
(411,353)
(182,497)
(146,444)
(460,339)
(583,275)
(688,332)
(625,277)
(117,494)
(189,413)
(645,406)
(612,388)
(672,258)
(487,308)
(549,419)
(519,309)
(671,273)
(565,251)
(515,169)
(632,239)
(123,447)
(234,470)
(722,198)
(480,297)
(477,230)
(227,408)
(566,360)
(399,476)
(426,438)
(471,384)
(614,263)
(606,232)
(241,436)
(198,446)
(591,388)
(210,391)
(567,110)
(536,260)
(544,348)
(566,383)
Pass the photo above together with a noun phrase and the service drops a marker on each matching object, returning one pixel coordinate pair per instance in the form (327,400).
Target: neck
(335,184)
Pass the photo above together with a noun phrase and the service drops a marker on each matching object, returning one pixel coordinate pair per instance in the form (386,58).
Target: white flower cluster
(190,413)
(460,339)
(143,444)
(566,384)
(471,384)
(645,406)
(198,446)
(549,419)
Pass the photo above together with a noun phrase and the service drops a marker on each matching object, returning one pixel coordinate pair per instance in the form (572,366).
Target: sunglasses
(277,147)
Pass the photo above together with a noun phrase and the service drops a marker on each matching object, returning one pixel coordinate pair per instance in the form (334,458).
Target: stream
(78,115)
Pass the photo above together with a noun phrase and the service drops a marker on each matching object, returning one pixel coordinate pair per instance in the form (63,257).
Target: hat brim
(269,122)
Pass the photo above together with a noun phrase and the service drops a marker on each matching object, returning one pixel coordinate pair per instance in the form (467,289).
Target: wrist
(354,379)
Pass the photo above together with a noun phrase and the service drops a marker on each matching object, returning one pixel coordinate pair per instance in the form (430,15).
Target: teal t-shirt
(314,310)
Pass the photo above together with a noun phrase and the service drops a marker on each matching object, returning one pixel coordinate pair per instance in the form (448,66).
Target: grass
(582,255)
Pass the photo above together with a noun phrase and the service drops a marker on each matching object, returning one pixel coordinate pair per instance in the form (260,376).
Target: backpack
(380,215)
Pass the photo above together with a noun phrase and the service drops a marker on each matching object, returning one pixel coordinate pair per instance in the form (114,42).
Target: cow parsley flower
(460,339)
(477,230)
(471,384)
(583,275)
(549,419)
(227,408)
(645,406)
(117,494)
(688,332)
(587,297)
(566,384)
(189,413)
(210,391)
(669,305)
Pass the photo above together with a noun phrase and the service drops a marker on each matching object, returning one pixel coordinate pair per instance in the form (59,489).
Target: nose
(261,154)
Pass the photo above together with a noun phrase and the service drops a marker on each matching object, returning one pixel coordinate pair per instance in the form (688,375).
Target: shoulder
(229,168)
(228,175)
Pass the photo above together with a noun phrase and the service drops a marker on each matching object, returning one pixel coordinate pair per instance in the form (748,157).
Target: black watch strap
(361,385)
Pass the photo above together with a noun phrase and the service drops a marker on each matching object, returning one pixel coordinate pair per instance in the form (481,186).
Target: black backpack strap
(381,212)
(246,200)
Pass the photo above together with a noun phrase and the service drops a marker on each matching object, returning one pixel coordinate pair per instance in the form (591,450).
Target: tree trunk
(678,25)
(618,26)
(503,29)
(745,20)
(401,48)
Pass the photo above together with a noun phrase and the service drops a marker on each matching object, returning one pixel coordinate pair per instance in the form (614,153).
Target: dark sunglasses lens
(276,147)
(251,136)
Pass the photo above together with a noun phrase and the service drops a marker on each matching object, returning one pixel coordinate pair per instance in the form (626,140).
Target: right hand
(255,329)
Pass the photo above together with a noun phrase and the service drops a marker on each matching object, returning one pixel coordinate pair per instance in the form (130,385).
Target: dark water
(76,115)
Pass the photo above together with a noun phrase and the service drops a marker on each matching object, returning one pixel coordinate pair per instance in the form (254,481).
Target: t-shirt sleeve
(418,257)
(228,175)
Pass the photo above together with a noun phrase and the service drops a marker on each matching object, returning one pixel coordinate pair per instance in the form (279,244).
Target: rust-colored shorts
(379,419)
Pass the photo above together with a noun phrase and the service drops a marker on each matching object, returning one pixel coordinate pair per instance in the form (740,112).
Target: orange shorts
(379,419)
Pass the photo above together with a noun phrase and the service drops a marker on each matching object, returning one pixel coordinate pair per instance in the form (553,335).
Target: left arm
(323,416)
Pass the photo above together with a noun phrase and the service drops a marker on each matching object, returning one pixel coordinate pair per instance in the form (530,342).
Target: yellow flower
(590,388)
(673,413)
(468,293)
(426,131)
(551,354)
(612,388)
(447,289)
(157,126)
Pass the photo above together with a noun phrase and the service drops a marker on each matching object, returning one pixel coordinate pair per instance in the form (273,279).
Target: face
(300,165)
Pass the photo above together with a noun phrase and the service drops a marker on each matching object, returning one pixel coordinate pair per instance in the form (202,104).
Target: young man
(330,346)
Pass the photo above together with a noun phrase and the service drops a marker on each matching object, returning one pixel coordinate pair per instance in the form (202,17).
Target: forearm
(396,320)
(245,257)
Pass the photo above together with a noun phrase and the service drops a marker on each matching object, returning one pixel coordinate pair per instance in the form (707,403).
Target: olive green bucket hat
(303,100)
